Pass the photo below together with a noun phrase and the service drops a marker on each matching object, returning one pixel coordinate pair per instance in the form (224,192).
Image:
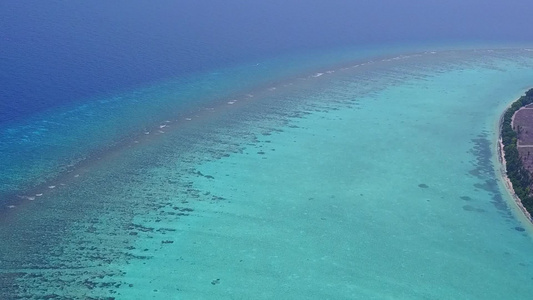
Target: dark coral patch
(423,185)
(518,228)
(469,208)
(466,198)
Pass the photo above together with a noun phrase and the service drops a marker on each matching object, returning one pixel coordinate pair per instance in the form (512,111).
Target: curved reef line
(189,116)
(510,141)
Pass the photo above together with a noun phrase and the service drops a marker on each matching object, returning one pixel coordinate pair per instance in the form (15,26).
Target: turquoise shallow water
(368,180)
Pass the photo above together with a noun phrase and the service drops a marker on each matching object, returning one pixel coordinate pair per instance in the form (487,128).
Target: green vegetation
(520,178)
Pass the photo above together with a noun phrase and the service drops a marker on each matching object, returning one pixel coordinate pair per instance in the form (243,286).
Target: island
(516,151)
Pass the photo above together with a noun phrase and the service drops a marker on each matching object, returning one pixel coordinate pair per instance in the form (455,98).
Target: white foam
(11,206)
(51,186)
(318,75)
(39,195)
(147,132)
(31,198)
(272,89)
(162,126)
(78,175)
(231,102)
(160,131)
(188,119)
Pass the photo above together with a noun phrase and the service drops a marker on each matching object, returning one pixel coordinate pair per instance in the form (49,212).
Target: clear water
(368,178)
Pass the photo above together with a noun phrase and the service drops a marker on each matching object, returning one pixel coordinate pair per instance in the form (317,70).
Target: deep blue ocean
(58,52)
(110,109)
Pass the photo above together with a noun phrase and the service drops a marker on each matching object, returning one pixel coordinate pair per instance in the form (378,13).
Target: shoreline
(507,182)
(503,169)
